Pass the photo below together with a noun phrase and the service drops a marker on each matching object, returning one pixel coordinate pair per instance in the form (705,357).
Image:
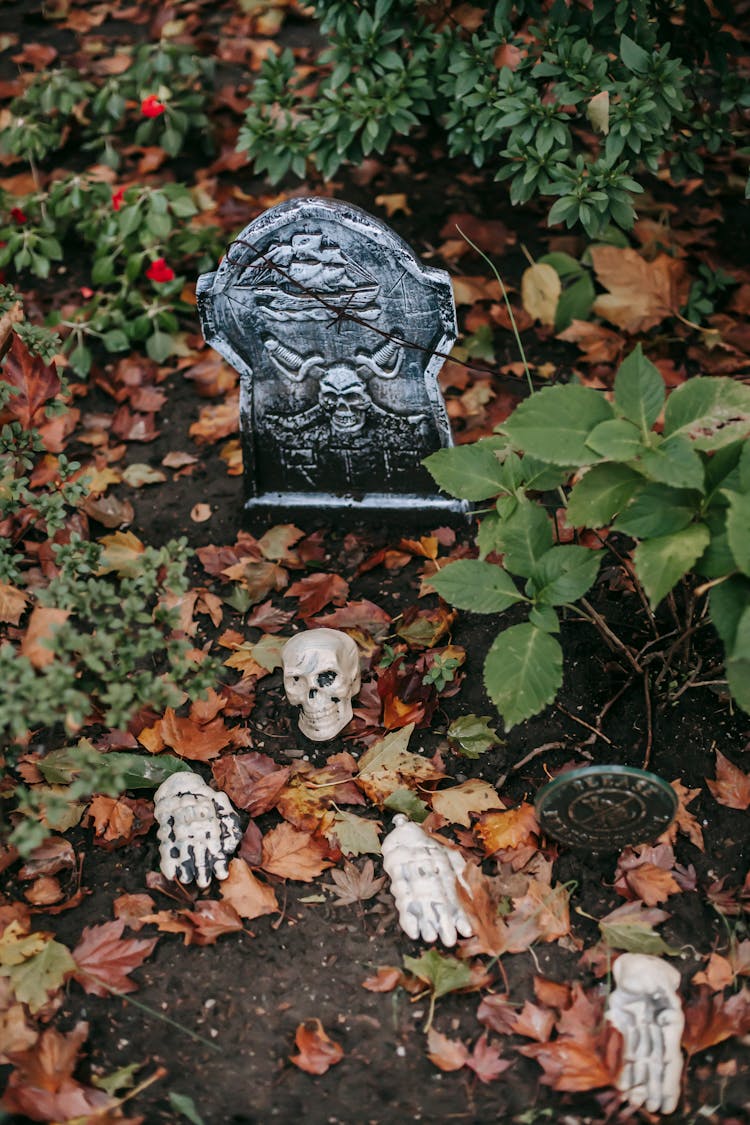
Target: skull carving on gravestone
(344,398)
(321,674)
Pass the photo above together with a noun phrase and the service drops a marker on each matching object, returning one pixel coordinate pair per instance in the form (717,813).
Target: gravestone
(334,326)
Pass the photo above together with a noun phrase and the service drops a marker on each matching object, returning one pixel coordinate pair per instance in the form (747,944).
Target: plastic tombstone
(646,1009)
(321,675)
(198,829)
(423,876)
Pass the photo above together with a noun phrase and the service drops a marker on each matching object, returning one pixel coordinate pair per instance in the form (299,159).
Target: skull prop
(198,829)
(344,398)
(321,674)
(645,1008)
(423,874)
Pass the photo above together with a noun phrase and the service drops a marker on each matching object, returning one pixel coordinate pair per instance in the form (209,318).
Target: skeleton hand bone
(423,876)
(198,829)
(646,1010)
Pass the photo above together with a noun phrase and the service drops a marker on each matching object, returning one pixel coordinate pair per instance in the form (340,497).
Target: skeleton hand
(198,829)
(646,1010)
(423,876)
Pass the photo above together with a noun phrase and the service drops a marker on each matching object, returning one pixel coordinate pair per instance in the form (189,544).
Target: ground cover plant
(596,610)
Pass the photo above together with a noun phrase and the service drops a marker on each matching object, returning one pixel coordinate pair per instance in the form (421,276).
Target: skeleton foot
(646,1010)
(198,829)
(423,876)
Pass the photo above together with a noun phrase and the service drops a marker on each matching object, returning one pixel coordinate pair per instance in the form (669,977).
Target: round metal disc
(605,808)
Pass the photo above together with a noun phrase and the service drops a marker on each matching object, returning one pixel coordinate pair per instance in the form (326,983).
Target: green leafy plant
(680,492)
(520,92)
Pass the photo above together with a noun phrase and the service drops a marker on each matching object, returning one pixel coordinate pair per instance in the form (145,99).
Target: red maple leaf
(104,959)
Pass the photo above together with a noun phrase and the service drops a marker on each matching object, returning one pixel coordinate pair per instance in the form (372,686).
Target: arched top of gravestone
(338,332)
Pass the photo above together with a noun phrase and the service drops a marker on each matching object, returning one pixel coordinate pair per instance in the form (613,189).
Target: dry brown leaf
(650,883)
(12,603)
(641,294)
(385,979)
(718,973)
(732,786)
(249,896)
(540,292)
(534,1022)
(598,344)
(316,591)
(457,803)
(317,1052)
(294,855)
(446,1054)
(710,1019)
(36,383)
(199,513)
(43,624)
(196,741)
(132,909)
(684,820)
(44,892)
(105,959)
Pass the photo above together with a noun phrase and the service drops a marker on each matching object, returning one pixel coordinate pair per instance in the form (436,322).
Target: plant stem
(611,637)
(508,306)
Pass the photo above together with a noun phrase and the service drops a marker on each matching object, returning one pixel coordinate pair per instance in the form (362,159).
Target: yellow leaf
(540,292)
(393,203)
(12,603)
(122,552)
(474,796)
(597,112)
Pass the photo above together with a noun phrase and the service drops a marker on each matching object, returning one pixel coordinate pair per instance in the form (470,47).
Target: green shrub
(681,493)
(515,93)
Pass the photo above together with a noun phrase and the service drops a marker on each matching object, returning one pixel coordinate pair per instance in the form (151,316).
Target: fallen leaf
(457,803)
(540,292)
(364,615)
(268,617)
(104,959)
(354,835)
(132,909)
(710,1019)
(113,818)
(718,973)
(641,294)
(388,766)
(296,855)
(498,1014)
(598,343)
(40,631)
(732,786)
(199,513)
(446,1054)
(53,855)
(248,895)
(684,820)
(355,884)
(36,965)
(251,781)
(510,829)
(317,1052)
(192,740)
(385,979)
(316,591)
(12,603)
(35,382)
(485,1060)
(44,892)
(121,554)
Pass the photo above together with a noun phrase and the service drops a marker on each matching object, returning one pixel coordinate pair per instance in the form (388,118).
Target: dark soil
(245,995)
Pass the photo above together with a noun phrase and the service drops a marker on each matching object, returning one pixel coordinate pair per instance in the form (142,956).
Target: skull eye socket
(325,679)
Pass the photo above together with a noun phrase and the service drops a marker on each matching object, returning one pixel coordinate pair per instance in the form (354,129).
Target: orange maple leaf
(316,591)
(294,855)
(199,742)
(641,294)
(248,895)
(509,829)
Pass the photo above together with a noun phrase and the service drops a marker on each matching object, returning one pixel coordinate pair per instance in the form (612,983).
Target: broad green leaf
(471,472)
(357,835)
(738,529)
(744,468)
(717,560)
(488,535)
(674,462)
(639,390)
(540,477)
(617,440)
(636,937)
(723,470)
(443,973)
(563,264)
(600,494)
(554,423)
(525,536)
(406,801)
(121,1079)
(473,734)
(185,1105)
(658,510)
(545,617)
(575,302)
(476,585)
(522,672)
(738,664)
(710,411)
(660,563)
(633,56)
(727,603)
(563,575)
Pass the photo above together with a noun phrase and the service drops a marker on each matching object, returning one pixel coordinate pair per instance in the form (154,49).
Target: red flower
(17,214)
(118,198)
(152,107)
(160,271)
(86,292)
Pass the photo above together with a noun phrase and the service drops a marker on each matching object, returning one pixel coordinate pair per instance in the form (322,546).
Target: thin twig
(612,638)
(583,723)
(649,722)
(539,750)
(625,564)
